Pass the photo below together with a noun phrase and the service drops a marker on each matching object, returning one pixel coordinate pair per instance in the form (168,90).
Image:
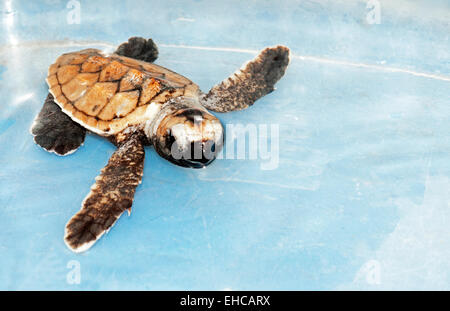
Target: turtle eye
(189,139)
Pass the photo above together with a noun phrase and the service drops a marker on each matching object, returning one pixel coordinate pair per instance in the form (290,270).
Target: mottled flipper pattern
(110,196)
(54,131)
(254,80)
(139,48)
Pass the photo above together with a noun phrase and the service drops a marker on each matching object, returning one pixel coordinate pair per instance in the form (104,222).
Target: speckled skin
(254,80)
(110,196)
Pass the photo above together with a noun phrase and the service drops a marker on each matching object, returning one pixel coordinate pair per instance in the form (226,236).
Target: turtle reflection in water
(133,102)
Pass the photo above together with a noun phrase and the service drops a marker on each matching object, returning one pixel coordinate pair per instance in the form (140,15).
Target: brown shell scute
(67,73)
(78,85)
(120,105)
(94,64)
(109,93)
(149,89)
(96,98)
(132,80)
(113,71)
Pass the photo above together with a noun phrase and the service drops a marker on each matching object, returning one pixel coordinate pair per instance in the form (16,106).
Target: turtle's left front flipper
(55,131)
(110,196)
(254,80)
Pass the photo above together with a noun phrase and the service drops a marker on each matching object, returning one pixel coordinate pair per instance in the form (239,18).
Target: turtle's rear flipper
(54,131)
(110,196)
(254,80)
(139,48)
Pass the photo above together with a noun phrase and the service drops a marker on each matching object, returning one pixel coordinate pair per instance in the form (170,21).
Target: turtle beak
(200,154)
(190,138)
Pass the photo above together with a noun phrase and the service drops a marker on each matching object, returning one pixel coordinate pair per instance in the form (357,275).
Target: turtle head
(188,136)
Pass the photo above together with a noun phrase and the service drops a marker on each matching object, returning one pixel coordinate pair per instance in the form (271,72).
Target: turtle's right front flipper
(55,131)
(110,196)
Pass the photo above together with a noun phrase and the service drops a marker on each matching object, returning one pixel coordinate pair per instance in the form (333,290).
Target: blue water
(359,198)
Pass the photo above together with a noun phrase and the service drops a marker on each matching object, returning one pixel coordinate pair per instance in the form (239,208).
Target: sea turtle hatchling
(125,97)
